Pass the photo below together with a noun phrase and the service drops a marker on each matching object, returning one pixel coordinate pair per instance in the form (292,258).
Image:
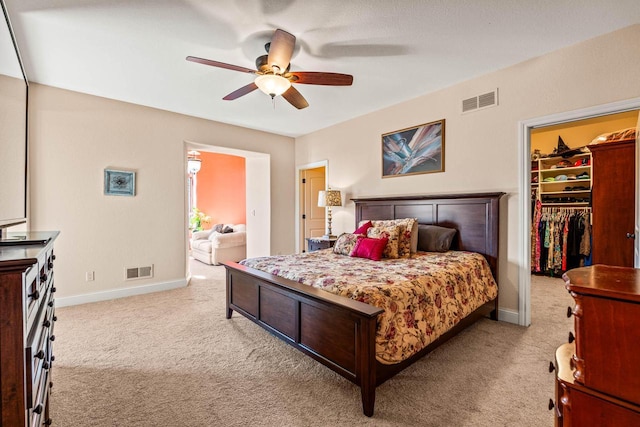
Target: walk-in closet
(583,193)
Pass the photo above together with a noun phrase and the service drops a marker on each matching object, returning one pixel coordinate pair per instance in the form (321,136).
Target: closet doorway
(568,183)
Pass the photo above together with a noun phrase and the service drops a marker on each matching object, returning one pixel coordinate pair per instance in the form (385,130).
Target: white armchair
(213,248)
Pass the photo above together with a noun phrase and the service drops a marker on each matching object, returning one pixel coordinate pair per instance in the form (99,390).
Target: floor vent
(489,99)
(132,273)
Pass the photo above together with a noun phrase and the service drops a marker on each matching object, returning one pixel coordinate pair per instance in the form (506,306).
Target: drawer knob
(52,338)
(569,311)
(55,318)
(48,422)
(38,409)
(46,323)
(43,278)
(551,404)
(45,365)
(53,358)
(50,265)
(552,367)
(572,338)
(50,304)
(35,295)
(39,355)
(53,289)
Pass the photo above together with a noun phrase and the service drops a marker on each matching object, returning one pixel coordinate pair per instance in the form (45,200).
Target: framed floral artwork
(119,183)
(414,150)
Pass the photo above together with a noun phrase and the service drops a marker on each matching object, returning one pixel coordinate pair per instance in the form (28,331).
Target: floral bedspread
(423,296)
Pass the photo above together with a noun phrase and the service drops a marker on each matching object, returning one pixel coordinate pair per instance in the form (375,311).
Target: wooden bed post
(229,293)
(366,359)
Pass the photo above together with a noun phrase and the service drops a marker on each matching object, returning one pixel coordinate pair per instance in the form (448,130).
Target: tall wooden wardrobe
(613,202)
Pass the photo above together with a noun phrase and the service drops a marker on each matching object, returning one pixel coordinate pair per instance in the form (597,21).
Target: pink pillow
(369,248)
(363,228)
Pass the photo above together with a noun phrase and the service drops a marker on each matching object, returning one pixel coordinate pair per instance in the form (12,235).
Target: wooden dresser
(27,317)
(597,373)
(613,202)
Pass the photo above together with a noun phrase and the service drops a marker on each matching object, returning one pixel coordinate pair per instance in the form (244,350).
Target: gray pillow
(433,238)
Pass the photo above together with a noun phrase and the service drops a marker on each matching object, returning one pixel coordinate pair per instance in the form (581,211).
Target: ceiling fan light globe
(272,84)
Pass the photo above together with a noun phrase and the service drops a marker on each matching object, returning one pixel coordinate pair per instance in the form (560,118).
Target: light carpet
(173,359)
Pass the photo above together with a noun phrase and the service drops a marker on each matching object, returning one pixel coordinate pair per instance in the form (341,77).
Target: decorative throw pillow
(362,229)
(227,229)
(345,243)
(369,248)
(218,228)
(392,233)
(433,238)
(406,226)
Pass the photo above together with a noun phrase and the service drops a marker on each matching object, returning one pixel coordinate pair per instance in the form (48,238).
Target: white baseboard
(508,316)
(120,293)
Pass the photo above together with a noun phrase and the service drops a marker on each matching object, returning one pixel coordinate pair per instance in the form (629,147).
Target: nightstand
(317,243)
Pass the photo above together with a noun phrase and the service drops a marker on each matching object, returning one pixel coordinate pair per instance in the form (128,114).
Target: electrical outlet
(90,276)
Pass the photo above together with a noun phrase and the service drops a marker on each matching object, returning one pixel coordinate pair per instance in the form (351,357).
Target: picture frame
(119,183)
(414,150)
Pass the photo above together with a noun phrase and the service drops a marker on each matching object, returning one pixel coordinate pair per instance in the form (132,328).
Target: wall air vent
(470,104)
(489,99)
(131,273)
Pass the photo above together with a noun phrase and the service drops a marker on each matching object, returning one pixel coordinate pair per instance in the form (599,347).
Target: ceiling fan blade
(318,78)
(295,98)
(220,64)
(281,49)
(241,92)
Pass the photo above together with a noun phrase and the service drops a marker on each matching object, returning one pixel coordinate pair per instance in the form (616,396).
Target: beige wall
(74,137)
(481,147)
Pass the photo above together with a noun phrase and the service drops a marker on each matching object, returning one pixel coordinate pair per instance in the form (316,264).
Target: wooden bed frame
(340,332)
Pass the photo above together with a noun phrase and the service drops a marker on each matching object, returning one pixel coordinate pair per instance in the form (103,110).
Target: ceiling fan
(274,77)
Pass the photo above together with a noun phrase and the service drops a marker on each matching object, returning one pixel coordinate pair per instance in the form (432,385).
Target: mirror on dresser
(13,128)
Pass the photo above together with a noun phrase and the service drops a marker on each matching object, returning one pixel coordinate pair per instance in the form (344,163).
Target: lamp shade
(272,84)
(329,198)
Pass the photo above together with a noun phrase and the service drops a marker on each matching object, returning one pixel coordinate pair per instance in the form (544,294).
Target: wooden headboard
(475,216)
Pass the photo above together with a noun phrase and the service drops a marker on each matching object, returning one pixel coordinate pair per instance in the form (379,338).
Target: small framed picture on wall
(119,183)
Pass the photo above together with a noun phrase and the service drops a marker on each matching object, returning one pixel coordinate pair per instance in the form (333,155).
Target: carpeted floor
(173,359)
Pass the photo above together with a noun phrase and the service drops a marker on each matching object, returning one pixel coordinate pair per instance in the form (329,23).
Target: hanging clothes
(560,239)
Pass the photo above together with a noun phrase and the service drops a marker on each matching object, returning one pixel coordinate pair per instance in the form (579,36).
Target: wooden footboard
(336,331)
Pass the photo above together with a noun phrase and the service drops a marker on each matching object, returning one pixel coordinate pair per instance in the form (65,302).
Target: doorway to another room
(230,189)
(579,193)
(311,218)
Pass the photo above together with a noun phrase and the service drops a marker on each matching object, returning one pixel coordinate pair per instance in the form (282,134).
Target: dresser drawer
(606,357)
(38,350)
(38,414)
(33,295)
(579,407)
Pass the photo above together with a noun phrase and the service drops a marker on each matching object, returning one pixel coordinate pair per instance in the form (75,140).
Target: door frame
(299,169)
(524,192)
(257,194)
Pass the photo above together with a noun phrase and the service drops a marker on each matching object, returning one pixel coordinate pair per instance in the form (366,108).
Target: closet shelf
(574,171)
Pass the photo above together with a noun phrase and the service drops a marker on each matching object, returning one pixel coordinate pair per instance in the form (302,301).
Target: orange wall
(221,192)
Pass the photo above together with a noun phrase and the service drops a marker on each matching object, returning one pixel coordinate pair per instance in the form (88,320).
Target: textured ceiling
(134,50)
